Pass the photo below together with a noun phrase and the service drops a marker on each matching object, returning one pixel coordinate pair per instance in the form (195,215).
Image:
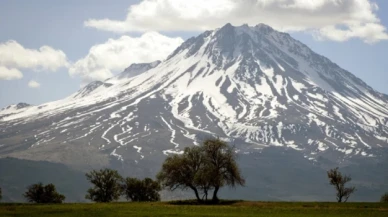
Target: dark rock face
(138,68)
(252,86)
(85,91)
(22,105)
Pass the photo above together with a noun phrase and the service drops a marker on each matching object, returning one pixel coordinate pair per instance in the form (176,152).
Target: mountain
(254,87)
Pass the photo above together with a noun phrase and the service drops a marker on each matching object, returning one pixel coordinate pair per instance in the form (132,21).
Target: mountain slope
(16,175)
(252,86)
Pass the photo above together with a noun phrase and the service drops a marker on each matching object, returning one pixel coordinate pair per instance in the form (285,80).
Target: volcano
(257,88)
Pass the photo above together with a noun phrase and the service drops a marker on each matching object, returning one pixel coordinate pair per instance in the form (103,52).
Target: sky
(50,49)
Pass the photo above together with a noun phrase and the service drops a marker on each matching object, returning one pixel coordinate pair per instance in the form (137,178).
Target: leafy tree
(202,168)
(37,193)
(338,181)
(220,165)
(384,198)
(141,190)
(182,171)
(107,185)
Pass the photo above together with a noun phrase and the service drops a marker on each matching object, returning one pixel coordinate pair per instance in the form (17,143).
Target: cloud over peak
(337,20)
(116,54)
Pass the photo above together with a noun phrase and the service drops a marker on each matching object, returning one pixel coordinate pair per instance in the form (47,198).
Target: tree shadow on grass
(208,202)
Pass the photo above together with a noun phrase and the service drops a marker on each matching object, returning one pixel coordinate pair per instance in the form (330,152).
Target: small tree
(384,198)
(37,193)
(141,190)
(338,181)
(107,185)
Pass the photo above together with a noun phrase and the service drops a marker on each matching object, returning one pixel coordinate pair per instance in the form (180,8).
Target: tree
(141,190)
(1,196)
(384,198)
(338,181)
(37,193)
(107,185)
(220,165)
(182,171)
(202,168)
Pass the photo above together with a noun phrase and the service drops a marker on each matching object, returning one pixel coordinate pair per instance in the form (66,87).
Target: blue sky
(62,26)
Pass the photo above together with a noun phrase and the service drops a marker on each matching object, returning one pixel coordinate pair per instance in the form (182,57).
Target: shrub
(384,198)
(37,193)
(141,190)
(107,185)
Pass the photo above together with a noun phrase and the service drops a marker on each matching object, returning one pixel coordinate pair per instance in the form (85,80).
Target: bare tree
(338,181)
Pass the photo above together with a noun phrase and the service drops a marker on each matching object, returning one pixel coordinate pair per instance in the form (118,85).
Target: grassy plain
(241,209)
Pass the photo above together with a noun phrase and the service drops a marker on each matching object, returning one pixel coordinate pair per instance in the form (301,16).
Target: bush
(37,193)
(141,190)
(107,185)
(384,198)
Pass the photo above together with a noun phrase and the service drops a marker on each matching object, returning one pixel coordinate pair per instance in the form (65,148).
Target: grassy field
(241,209)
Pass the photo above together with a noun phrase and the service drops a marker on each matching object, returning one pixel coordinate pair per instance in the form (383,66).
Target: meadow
(238,208)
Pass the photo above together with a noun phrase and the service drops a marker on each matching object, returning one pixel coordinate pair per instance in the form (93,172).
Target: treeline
(204,169)
(109,185)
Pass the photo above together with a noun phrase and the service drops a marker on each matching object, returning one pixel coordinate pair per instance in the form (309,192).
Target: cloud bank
(103,60)
(14,57)
(337,20)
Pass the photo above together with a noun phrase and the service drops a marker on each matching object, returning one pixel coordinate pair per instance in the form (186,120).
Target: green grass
(241,209)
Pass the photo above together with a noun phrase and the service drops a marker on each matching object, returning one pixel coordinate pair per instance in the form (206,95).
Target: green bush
(384,198)
(37,193)
(107,185)
(141,190)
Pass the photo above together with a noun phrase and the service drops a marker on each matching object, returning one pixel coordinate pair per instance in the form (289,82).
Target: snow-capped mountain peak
(253,86)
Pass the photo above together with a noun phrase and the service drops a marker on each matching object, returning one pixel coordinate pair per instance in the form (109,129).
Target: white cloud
(116,54)
(14,57)
(10,74)
(337,20)
(33,84)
